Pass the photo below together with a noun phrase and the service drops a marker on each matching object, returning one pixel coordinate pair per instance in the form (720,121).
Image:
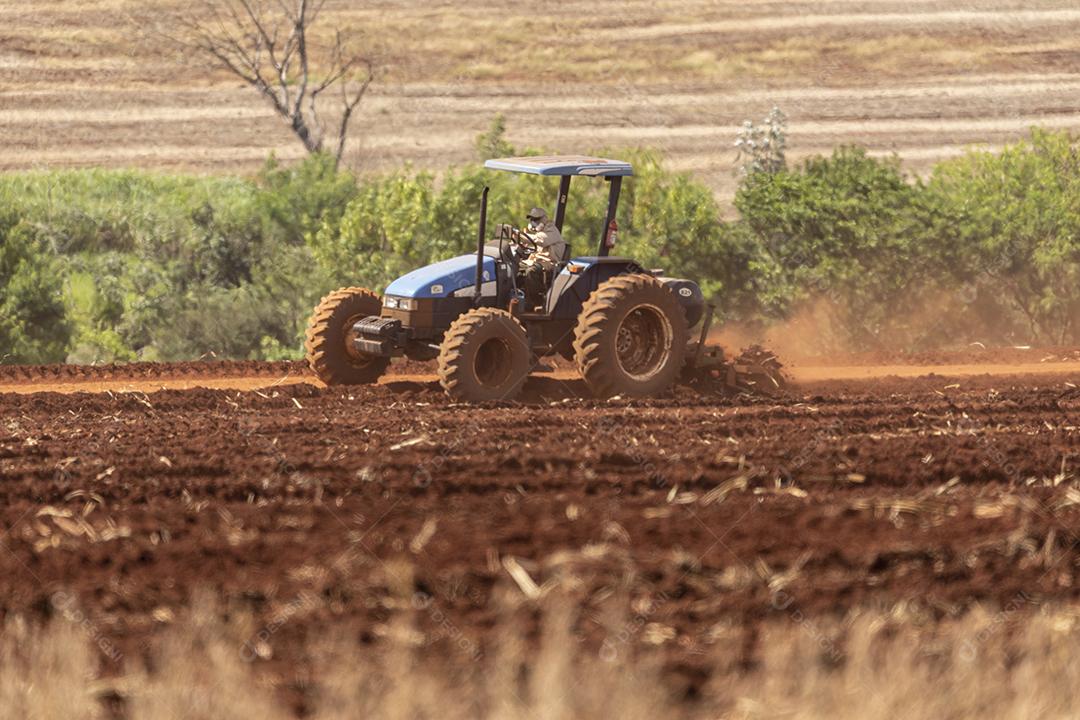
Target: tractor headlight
(399,303)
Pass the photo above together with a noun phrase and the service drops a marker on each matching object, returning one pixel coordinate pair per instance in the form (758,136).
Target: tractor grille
(380,327)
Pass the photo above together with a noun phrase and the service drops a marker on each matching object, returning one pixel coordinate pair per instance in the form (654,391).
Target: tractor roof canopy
(564,165)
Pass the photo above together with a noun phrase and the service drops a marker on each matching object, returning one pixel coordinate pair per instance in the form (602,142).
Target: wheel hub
(493,362)
(643,342)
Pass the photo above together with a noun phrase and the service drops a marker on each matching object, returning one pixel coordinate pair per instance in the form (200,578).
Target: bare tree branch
(349,106)
(268,44)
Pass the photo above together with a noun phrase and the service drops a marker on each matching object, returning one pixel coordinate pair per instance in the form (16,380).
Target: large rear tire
(485,355)
(630,338)
(330,353)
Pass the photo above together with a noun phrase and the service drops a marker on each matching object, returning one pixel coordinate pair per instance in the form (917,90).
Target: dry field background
(84,83)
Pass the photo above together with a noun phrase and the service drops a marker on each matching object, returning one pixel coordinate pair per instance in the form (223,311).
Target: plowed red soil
(11,374)
(704,509)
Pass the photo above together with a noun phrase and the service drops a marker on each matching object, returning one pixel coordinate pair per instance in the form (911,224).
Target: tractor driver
(539,266)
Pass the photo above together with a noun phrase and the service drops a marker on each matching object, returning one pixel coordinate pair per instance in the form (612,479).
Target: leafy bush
(492,143)
(33,326)
(297,200)
(134,252)
(1009,231)
(116,265)
(849,229)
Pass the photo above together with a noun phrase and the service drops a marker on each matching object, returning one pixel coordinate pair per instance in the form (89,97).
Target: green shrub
(134,251)
(33,325)
(1009,232)
(297,200)
(847,231)
(103,265)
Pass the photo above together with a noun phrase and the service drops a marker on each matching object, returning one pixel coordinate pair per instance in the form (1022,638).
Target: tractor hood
(441,279)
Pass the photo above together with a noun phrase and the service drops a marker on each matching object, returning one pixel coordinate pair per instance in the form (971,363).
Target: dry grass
(1016,663)
(85,87)
(518,44)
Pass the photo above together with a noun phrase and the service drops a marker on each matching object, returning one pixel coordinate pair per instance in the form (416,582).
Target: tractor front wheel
(485,355)
(330,352)
(630,338)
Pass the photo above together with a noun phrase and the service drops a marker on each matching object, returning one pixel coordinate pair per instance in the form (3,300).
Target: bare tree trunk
(266,44)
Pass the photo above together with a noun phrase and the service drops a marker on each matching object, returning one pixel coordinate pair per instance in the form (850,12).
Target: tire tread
(325,362)
(453,375)
(594,326)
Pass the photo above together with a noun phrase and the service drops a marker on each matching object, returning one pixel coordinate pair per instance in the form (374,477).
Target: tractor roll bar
(612,205)
(560,204)
(478,289)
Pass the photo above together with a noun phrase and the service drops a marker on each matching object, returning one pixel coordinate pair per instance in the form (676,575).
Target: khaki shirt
(550,247)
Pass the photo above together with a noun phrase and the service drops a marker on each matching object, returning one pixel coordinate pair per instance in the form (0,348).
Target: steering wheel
(525,242)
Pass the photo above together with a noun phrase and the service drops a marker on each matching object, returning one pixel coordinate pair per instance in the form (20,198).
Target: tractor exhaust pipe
(478,289)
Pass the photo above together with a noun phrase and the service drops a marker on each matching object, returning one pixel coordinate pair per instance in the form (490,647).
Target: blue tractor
(626,327)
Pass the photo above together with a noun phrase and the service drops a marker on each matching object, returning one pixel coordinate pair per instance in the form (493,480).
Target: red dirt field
(705,511)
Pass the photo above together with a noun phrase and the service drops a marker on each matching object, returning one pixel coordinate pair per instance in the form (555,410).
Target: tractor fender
(572,286)
(581,276)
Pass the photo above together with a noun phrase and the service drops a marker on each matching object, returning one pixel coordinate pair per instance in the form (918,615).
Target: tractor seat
(563,261)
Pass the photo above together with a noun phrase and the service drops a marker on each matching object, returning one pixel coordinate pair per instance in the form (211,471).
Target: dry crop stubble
(1007,664)
(87,93)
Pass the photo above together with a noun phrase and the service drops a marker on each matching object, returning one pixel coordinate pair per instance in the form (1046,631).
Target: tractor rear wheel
(330,352)
(485,355)
(630,338)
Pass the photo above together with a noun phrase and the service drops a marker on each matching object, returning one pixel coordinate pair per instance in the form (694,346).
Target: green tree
(847,230)
(297,200)
(1009,228)
(33,326)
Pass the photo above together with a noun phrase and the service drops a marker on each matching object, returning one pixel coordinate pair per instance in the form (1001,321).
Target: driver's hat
(537,214)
